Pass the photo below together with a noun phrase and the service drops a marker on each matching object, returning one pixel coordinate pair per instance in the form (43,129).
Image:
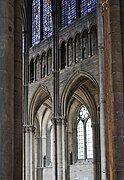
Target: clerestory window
(47,19)
(84,135)
(68,12)
(36,22)
(87,6)
(41,20)
(42,17)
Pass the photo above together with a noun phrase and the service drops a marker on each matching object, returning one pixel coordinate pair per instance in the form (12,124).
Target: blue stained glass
(35,22)
(47,19)
(68,11)
(87,6)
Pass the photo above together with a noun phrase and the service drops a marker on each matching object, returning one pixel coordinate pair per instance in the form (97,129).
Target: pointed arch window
(70,52)
(78,48)
(43,65)
(89,139)
(93,40)
(63,55)
(32,71)
(84,135)
(87,6)
(85,44)
(35,22)
(49,62)
(80,137)
(47,19)
(41,20)
(68,12)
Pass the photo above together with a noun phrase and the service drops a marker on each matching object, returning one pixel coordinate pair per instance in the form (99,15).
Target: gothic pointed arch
(79,81)
(40,97)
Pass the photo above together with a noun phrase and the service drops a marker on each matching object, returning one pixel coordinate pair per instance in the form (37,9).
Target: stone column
(59,149)
(102,90)
(18,124)
(39,158)
(29,134)
(64,148)
(114,74)
(54,163)
(26,155)
(96,148)
(6,89)
(59,131)
(35,157)
(10,91)
(55,18)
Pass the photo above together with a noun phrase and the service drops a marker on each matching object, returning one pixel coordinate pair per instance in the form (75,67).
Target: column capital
(105,3)
(29,128)
(59,120)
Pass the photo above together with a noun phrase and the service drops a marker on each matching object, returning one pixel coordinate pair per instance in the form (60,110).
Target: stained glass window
(89,139)
(35,22)
(80,137)
(68,11)
(84,135)
(87,6)
(47,19)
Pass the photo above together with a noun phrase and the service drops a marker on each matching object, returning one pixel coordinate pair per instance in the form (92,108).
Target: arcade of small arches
(72,51)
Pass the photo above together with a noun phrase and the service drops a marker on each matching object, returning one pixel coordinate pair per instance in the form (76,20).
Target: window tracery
(84,135)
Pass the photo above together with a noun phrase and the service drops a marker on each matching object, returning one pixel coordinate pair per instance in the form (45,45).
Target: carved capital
(28,129)
(105,3)
(59,120)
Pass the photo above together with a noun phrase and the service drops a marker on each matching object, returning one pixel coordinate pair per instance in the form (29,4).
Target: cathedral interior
(62,89)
